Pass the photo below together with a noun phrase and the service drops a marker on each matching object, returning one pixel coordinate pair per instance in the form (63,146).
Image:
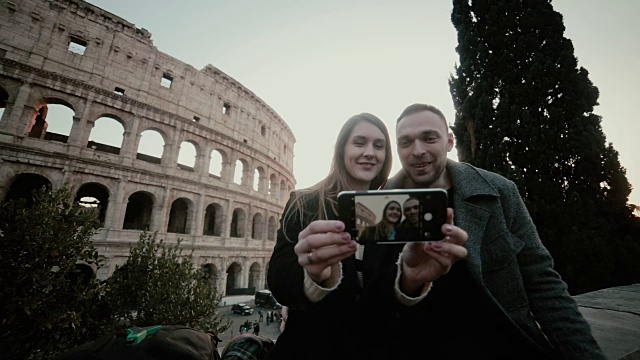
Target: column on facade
(276,189)
(161,212)
(248,226)
(4,183)
(198,228)
(130,142)
(265,229)
(228,219)
(248,174)
(262,275)
(79,136)
(228,168)
(171,150)
(117,205)
(203,162)
(245,274)
(20,112)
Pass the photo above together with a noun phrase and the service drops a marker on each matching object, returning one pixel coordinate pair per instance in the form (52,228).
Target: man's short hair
(409,199)
(416,108)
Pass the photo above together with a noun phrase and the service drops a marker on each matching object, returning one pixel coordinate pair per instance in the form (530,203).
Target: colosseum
(88,102)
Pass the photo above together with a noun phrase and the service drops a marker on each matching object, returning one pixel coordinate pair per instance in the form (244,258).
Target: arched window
(139,210)
(187,156)
(107,135)
(150,147)
(215,165)
(257,227)
(94,196)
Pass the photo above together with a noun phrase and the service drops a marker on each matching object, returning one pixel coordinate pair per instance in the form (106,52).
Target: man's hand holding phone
(424,263)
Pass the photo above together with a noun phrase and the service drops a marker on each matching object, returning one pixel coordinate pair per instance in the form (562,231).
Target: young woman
(385,228)
(312,270)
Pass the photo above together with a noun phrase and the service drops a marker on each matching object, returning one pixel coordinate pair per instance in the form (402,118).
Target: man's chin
(421,180)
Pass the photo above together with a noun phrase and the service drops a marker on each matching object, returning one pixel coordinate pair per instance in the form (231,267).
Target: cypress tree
(525,109)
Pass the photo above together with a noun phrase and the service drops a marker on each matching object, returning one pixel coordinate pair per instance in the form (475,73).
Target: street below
(271,331)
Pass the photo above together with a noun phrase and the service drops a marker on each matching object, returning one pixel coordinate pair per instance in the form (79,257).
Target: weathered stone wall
(206,108)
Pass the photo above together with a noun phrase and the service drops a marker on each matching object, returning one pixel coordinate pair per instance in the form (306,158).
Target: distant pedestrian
(256,328)
(268,317)
(260,314)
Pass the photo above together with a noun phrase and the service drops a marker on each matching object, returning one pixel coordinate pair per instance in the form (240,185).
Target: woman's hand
(321,245)
(424,263)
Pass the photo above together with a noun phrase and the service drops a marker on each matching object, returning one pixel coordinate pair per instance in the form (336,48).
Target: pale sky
(317,63)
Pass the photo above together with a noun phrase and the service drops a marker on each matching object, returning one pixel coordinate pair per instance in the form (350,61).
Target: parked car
(242,309)
(265,299)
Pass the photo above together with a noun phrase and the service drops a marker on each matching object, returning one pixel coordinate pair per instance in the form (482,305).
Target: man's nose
(419,148)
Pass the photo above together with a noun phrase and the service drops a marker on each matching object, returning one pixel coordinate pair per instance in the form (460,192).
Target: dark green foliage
(524,109)
(47,308)
(44,310)
(158,285)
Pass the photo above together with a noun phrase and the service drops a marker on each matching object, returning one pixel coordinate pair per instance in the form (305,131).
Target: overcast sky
(317,63)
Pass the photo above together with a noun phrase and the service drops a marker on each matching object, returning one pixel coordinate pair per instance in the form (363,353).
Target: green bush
(158,285)
(44,304)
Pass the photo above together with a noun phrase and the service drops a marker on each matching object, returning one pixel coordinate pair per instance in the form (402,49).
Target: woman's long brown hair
(338,178)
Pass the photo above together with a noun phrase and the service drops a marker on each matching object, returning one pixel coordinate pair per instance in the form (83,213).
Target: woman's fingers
(320,234)
(449,250)
(322,226)
(328,255)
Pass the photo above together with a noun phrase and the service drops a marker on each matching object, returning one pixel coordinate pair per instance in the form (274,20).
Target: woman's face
(393,213)
(364,154)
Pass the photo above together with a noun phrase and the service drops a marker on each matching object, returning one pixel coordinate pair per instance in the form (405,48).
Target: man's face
(411,210)
(423,143)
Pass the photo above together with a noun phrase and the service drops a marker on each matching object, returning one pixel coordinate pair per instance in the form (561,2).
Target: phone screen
(394,216)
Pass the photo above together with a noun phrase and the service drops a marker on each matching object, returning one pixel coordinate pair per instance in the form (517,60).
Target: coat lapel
(469,214)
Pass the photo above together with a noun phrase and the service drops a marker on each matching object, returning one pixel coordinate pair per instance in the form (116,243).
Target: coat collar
(468,182)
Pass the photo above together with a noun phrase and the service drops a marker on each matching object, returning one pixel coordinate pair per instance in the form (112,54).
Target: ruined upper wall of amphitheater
(119,56)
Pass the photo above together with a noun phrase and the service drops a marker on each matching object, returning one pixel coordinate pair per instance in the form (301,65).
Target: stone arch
(234,278)
(272,229)
(94,196)
(4,99)
(273,185)
(259,179)
(211,272)
(238,219)
(53,119)
(107,134)
(59,122)
(254,277)
(180,216)
(139,211)
(23,184)
(257,226)
(239,176)
(187,155)
(216,164)
(151,146)
(213,220)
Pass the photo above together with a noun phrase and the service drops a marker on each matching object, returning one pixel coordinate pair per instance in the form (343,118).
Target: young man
(503,300)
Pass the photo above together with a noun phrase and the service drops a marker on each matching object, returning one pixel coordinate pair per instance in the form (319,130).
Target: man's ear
(449,142)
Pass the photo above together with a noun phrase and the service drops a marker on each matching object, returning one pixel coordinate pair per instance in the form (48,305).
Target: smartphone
(393,216)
